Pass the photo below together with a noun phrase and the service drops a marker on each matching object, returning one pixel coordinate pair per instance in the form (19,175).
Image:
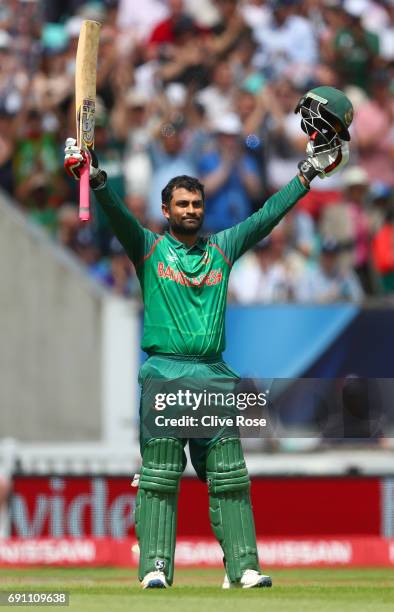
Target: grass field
(304,590)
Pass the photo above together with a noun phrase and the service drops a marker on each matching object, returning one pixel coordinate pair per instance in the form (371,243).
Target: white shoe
(154,580)
(250,580)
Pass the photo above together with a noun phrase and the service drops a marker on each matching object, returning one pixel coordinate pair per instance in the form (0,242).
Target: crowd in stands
(208,88)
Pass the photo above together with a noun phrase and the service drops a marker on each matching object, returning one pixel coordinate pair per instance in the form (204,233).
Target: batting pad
(230,508)
(156,505)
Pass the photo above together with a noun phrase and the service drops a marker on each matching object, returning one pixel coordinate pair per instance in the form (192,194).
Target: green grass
(301,590)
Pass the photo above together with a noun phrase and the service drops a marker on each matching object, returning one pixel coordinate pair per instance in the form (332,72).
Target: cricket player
(184,278)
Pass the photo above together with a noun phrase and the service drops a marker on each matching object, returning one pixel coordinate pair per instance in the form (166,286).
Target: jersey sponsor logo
(214,277)
(173,256)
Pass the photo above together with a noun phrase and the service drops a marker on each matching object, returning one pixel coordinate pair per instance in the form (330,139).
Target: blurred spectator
(56,11)
(327,283)
(36,153)
(348,222)
(383,253)
(256,14)
(269,273)
(333,19)
(373,130)
(230,27)
(13,75)
(376,16)
(258,279)
(381,200)
(246,74)
(184,61)
(197,134)
(204,12)
(300,232)
(230,176)
(132,126)
(217,98)
(356,49)
(288,43)
(386,34)
(53,82)
(139,18)
(283,251)
(164,32)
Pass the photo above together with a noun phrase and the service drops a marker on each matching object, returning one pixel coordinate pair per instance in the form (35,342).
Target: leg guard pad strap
(165,481)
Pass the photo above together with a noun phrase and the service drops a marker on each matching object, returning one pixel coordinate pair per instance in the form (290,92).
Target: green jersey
(184,288)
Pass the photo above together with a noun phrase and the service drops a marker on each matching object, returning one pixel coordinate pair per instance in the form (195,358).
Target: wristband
(99,180)
(307,170)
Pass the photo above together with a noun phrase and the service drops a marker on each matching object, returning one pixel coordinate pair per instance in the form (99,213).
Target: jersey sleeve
(135,239)
(241,237)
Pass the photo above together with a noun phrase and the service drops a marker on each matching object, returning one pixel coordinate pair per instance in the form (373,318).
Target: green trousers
(161,370)
(218,460)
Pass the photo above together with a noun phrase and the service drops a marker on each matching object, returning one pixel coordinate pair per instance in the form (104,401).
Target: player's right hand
(75,158)
(329,161)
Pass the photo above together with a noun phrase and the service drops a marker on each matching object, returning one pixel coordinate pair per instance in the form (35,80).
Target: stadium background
(69,305)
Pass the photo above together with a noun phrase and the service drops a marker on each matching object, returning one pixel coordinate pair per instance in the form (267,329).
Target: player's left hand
(325,163)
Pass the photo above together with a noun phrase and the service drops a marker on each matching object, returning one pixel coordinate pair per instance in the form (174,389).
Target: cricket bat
(85,102)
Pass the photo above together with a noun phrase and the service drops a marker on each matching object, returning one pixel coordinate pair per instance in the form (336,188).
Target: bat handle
(84,211)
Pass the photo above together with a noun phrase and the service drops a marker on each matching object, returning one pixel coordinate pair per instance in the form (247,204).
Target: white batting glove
(75,158)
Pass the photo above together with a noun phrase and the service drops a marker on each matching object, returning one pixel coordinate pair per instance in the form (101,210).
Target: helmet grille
(320,126)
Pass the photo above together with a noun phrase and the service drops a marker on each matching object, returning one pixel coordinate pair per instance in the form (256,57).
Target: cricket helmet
(326,114)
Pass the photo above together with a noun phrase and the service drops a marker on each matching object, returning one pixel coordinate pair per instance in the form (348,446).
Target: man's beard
(185,230)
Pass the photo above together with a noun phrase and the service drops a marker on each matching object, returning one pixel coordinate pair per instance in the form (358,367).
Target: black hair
(186,182)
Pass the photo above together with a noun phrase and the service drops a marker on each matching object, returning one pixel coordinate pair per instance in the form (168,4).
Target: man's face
(185,213)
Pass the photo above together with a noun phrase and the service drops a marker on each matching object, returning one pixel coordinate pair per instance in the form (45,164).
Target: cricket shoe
(250,580)
(154,580)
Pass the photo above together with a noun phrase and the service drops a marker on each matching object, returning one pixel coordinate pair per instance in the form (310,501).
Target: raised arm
(135,239)
(238,239)
(326,114)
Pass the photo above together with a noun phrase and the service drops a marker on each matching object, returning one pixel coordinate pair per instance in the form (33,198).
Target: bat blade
(85,101)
